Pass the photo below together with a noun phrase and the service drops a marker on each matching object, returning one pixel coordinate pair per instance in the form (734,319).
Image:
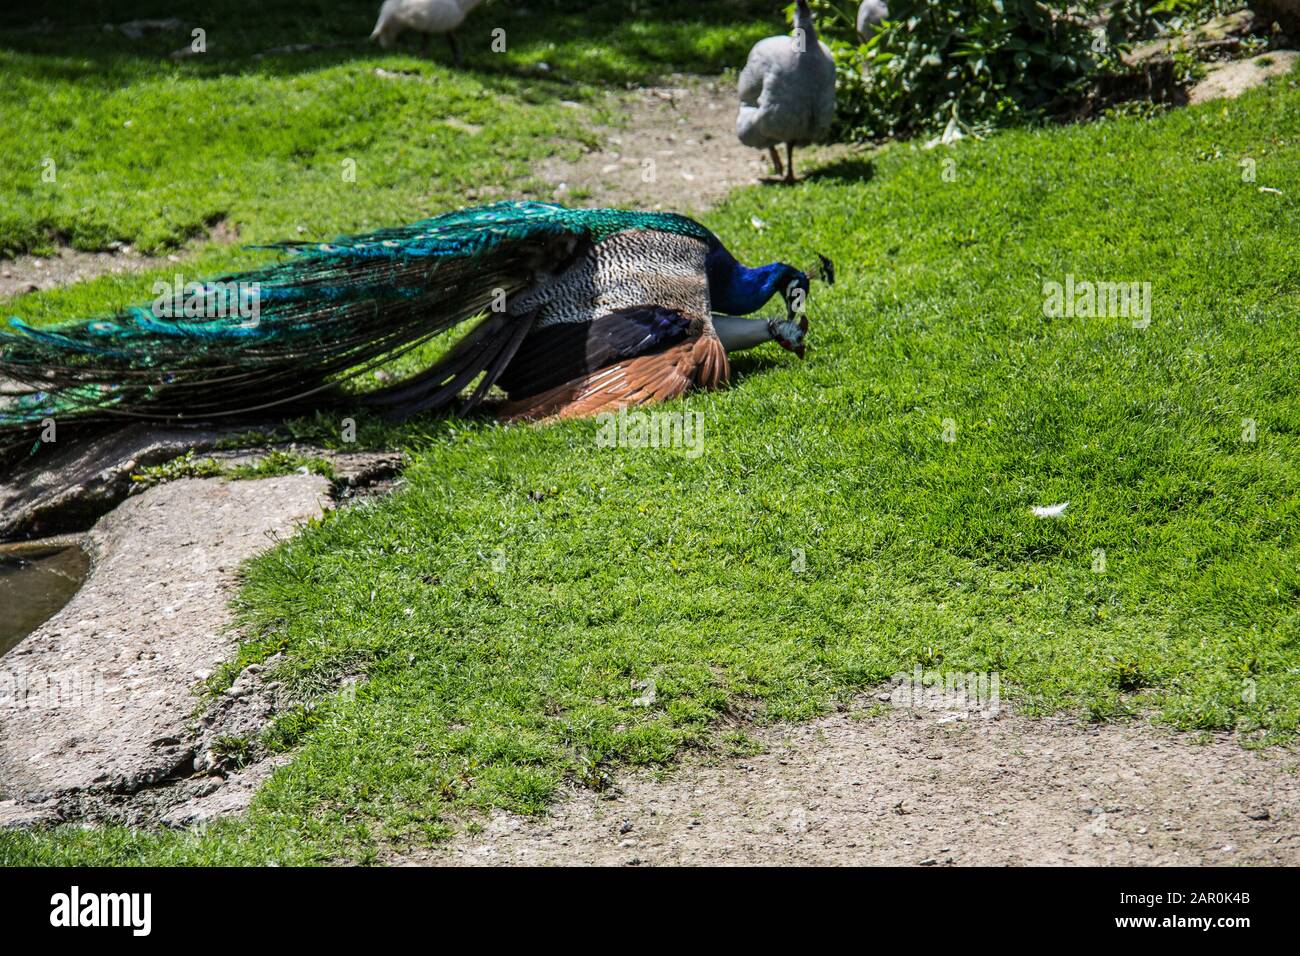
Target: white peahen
(425,17)
(871,14)
(787,92)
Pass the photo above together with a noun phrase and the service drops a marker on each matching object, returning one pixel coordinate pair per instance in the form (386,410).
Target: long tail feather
(331,311)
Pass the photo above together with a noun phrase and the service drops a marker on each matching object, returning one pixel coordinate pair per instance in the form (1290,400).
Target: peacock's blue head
(738,290)
(795,285)
(791,333)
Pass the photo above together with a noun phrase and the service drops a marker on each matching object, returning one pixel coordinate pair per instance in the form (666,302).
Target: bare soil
(1223,42)
(37,273)
(927,788)
(67,265)
(1230,80)
(677,151)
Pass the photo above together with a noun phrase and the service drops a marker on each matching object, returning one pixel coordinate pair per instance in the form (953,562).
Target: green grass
(151,151)
(506,604)
(276,462)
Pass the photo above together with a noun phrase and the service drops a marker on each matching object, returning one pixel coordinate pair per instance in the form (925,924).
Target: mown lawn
(107,139)
(506,604)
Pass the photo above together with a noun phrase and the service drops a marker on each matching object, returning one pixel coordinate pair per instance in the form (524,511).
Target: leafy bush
(987,63)
(978,63)
(1133,20)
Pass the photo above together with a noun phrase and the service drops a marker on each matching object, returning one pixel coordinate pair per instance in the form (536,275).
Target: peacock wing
(629,325)
(633,357)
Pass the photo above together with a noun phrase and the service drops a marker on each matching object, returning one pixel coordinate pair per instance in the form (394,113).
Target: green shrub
(987,63)
(978,63)
(1130,21)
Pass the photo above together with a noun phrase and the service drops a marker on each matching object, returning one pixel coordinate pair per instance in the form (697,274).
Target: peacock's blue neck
(738,290)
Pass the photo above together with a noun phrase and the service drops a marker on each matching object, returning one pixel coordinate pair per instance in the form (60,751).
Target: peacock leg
(789,162)
(776,160)
(455,48)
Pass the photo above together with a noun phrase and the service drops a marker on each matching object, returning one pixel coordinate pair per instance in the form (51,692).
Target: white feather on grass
(1049,511)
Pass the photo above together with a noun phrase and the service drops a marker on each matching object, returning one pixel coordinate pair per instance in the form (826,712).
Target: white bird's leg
(424,45)
(455,48)
(738,334)
(789,162)
(776,160)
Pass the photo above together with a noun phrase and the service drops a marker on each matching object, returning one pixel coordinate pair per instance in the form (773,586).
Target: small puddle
(35,582)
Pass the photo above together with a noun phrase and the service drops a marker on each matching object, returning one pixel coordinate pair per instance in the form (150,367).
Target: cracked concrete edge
(194,781)
(162,574)
(84,481)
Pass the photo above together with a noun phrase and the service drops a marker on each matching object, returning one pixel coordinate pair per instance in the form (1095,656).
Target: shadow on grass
(755,363)
(618,41)
(846,169)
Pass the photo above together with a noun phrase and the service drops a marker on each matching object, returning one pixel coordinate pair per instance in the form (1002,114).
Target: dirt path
(37,273)
(678,151)
(923,788)
(68,266)
(1229,80)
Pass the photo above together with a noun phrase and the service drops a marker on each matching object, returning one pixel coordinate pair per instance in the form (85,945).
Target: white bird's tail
(384,27)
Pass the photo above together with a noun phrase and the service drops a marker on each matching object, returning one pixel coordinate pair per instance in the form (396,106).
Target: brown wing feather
(699,361)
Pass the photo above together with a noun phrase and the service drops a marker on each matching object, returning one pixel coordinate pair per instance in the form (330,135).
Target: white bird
(787,92)
(871,14)
(425,17)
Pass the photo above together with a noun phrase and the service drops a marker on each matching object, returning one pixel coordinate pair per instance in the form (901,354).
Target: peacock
(582,311)
(425,17)
(787,92)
